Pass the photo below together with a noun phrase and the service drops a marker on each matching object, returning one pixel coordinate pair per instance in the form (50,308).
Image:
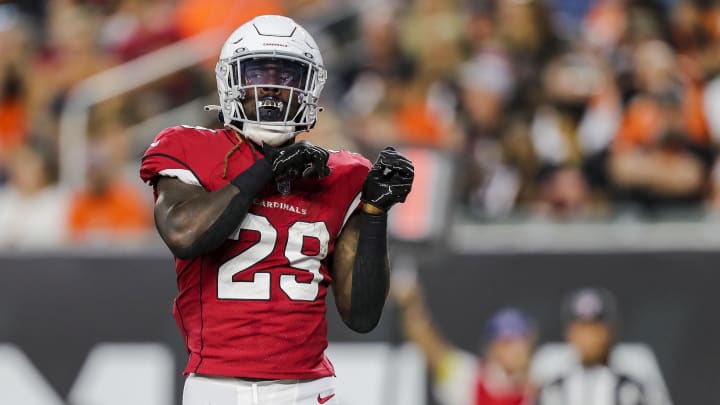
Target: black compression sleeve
(370,277)
(250,183)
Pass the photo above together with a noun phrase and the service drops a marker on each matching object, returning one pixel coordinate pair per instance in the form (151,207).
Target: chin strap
(273,135)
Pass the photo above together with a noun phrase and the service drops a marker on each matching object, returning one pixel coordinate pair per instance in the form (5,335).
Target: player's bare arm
(360,264)
(418,324)
(193,221)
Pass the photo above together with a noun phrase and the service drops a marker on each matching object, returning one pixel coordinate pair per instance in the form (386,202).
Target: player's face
(591,339)
(272,101)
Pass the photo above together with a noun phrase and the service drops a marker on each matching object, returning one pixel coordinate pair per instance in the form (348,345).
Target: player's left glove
(296,160)
(389,180)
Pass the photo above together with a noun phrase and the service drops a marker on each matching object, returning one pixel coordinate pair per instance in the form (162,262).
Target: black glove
(389,180)
(299,159)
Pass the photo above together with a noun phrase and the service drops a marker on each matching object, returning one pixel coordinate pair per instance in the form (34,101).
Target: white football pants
(211,390)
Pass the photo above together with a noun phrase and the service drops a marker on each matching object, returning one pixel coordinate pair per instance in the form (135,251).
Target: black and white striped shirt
(598,385)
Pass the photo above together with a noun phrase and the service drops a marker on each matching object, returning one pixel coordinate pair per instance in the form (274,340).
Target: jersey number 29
(259,288)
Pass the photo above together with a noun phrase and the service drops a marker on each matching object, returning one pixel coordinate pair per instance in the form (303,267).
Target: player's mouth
(270,109)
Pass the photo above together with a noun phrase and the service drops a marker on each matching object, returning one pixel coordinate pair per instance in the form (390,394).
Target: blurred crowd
(560,109)
(563,109)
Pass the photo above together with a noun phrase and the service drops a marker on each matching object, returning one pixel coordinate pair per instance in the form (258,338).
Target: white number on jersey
(259,288)
(293,252)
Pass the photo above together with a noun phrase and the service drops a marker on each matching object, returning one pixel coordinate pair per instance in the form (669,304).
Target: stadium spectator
(137,27)
(13,111)
(68,55)
(571,131)
(605,25)
(371,79)
(31,209)
(247,198)
(193,17)
(498,155)
(498,375)
(15,54)
(661,157)
(597,370)
(109,209)
(426,103)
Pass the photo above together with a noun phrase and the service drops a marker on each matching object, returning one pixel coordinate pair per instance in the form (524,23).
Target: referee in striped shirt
(591,320)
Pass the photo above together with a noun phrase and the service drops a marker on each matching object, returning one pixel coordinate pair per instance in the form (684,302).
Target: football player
(261,226)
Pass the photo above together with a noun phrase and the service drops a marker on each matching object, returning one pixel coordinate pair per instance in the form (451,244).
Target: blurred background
(559,145)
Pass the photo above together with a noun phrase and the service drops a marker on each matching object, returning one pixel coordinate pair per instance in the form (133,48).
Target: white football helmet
(262,58)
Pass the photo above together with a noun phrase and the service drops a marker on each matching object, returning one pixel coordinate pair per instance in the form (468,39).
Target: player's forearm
(418,328)
(198,225)
(370,275)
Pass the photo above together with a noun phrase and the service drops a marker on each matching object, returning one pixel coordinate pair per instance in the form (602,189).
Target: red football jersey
(255,306)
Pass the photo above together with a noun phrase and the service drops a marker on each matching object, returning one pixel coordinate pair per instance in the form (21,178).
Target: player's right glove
(389,180)
(296,160)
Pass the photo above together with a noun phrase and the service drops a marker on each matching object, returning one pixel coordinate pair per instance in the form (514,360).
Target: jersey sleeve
(166,157)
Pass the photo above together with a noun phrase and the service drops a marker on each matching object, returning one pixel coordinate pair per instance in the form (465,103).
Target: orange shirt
(195,16)
(13,124)
(644,121)
(119,210)
(417,125)
(641,123)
